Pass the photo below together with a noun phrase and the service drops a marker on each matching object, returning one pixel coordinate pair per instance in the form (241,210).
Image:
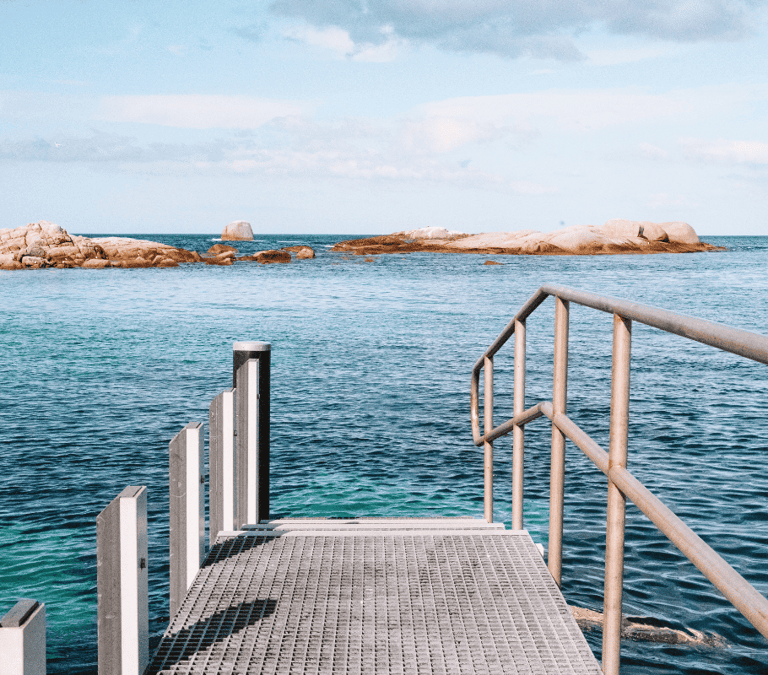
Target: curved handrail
(744,343)
(621,483)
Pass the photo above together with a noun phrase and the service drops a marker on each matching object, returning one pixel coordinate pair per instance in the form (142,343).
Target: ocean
(370,415)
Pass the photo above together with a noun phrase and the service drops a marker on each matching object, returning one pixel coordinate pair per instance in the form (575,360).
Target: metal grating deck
(455,597)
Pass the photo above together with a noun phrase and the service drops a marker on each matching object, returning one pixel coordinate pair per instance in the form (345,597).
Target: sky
(374,116)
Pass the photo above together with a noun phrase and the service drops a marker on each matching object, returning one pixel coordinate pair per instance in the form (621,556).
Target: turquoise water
(370,415)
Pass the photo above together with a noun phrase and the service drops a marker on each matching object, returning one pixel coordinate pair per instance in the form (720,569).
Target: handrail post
(617,457)
(518,432)
(488,445)
(250,377)
(557,473)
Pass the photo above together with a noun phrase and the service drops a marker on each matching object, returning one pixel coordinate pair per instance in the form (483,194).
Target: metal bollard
(250,377)
(221,463)
(187,511)
(121,579)
(22,639)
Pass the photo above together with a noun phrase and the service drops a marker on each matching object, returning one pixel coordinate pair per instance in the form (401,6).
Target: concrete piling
(250,377)
(22,639)
(221,464)
(122,584)
(187,510)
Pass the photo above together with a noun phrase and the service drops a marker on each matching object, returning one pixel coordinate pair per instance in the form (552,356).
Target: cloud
(650,151)
(754,153)
(339,41)
(513,28)
(335,39)
(664,200)
(337,157)
(440,134)
(251,32)
(198,112)
(613,57)
(583,110)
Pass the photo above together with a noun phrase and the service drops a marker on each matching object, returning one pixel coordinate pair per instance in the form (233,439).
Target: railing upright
(617,457)
(622,485)
(557,473)
(518,431)
(488,445)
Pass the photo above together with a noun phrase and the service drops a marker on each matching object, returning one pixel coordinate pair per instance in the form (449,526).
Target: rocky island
(46,244)
(616,236)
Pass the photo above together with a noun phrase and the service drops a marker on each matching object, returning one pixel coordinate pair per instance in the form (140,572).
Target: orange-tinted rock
(221,248)
(615,237)
(224,260)
(302,252)
(95,264)
(492,262)
(266,257)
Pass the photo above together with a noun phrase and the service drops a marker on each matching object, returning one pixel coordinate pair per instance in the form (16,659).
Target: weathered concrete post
(187,510)
(250,377)
(221,464)
(121,580)
(22,639)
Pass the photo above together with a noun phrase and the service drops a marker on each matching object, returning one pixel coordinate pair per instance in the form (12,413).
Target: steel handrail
(621,483)
(744,343)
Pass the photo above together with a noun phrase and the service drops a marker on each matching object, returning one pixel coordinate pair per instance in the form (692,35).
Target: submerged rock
(302,252)
(238,230)
(221,248)
(266,257)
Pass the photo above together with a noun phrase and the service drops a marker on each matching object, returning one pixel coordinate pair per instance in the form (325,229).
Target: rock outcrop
(302,252)
(221,248)
(614,237)
(266,257)
(45,244)
(238,230)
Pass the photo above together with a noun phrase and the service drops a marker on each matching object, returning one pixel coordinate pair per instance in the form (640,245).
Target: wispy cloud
(583,110)
(197,111)
(339,41)
(726,152)
(340,156)
(613,57)
(650,151)
(664,200)
(251,32)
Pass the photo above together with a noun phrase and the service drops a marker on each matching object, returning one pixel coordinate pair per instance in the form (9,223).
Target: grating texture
(431,601)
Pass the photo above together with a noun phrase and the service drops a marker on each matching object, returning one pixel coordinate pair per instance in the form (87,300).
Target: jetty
(255,594)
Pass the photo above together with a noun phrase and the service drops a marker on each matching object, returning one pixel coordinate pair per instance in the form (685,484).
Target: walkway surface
(374,596)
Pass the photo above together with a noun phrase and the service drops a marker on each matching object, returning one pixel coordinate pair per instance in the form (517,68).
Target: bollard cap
(19,613)
(252,347)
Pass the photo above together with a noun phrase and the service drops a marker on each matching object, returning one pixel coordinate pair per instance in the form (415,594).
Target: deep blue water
(370,415)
